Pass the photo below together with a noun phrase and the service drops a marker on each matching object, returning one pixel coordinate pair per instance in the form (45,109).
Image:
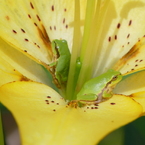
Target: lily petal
(58,17)
(140,98)
(132,84)
(12,58)
(8,73)
(23,30)
(48,20)
(45,118)
(133,61)
(122,28)
(31,25)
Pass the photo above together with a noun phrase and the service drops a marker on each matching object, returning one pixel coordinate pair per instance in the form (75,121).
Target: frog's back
(96,84)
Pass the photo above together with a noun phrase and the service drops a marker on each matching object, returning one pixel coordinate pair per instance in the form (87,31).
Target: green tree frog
(99,88)
(61,61)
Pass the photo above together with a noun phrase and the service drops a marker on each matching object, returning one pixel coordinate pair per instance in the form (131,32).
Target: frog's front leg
(89,99)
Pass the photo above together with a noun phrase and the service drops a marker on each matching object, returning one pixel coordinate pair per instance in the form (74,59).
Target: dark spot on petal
(52,101)
(109,39)
(66,26)
(141,60)
(130,22)
(23,30)
(38,46)
(57,103)
(96,104)
(25,50)
(128,35)
(136,60)
(136,65)
(50,28)
(63,20)
(128,42)
(65,10)
(26,39)
(112,103)
(52,8)
(31,5)
(96,107)
(48,96)
(29,16)
(118,25)
(87,107)
(54,110)
(92,107)
(54,27)
(14,31)
(38,18)
(8,18)
(35,24)
(115,37)
(132,69)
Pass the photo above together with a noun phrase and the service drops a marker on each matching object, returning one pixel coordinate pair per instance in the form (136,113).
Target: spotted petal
(133,61)
(45,118)
(123,26)
(29,26)
(21,31)
(14,63)
(58,17)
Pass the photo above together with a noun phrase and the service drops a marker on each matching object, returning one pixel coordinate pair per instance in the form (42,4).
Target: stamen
(102,17)
(95,16)
(75,52)
(87,28)
(90,53)
(87,46)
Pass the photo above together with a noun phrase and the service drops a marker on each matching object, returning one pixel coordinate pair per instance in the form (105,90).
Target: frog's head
(116,77)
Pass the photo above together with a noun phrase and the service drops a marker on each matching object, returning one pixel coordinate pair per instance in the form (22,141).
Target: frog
(61,60)
(99,88)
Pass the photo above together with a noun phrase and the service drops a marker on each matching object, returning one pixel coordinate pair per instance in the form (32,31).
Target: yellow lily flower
(104,33)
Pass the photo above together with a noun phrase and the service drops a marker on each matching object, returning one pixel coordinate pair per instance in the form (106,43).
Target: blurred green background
(131,134)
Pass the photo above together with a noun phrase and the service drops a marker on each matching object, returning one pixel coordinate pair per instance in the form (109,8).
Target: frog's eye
(114,78)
